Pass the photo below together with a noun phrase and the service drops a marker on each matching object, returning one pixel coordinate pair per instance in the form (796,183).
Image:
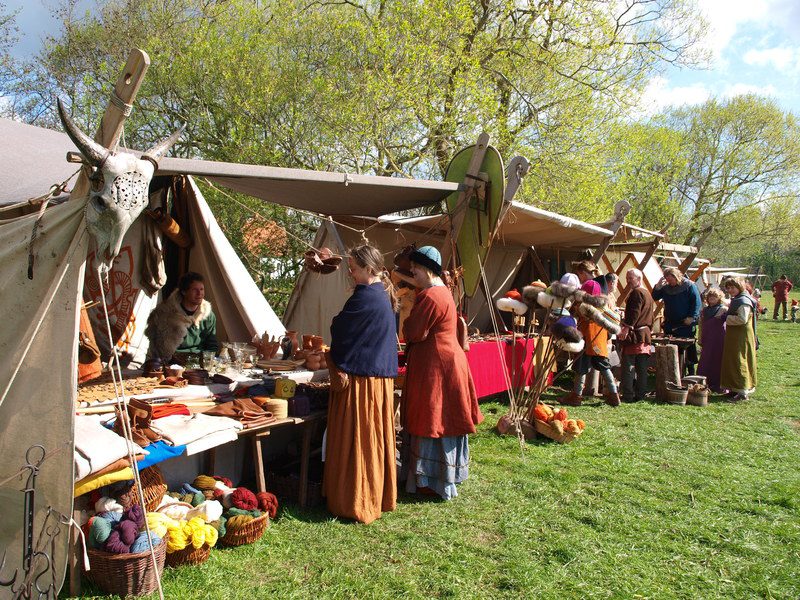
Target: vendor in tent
(184,323)
(360,479)
(439,406)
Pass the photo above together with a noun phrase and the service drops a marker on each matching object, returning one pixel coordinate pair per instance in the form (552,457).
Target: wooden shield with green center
(481,215)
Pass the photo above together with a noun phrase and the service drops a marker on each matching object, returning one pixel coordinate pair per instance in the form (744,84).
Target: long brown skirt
(360,479)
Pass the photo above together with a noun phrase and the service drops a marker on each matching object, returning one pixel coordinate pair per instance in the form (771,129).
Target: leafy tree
(741,154)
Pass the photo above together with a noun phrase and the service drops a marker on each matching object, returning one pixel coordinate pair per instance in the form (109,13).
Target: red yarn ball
(224,480)
(268,503)
(244,499)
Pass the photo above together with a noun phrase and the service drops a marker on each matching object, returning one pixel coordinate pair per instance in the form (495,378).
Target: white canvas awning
(525,226)
(34,158)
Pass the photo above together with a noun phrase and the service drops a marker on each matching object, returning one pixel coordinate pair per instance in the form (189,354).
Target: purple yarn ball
(114,544)
(135,514)
(127,532)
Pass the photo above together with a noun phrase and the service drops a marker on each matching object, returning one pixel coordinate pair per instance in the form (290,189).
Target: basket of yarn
(244,529)
(190,531)
(248,516)
(119,553)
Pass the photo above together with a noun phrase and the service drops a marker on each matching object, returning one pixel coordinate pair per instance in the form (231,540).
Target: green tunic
(201,337)
(738,372)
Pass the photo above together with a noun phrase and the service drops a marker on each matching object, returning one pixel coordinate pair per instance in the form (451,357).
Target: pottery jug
(289,344)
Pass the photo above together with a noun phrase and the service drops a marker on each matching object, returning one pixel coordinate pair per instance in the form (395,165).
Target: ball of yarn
(128,530)
(114,517)
(99,531)
(140,543)
(268,503)
(115,545)
(189,489)
(157,522)
(135,514)
(187,498)
(237,522)
(204,483)
(233,512)
(198,499)
(210,510)
(219,525)
(224,480)
(106,504)
(244,499)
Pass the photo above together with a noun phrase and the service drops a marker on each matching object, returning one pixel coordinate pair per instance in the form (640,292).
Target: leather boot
(611,399)
(571,399)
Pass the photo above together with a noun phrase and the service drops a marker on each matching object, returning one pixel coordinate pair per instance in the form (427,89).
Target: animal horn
(95,153)
(160,149)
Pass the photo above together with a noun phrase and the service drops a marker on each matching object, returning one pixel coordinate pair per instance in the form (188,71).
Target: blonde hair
(716,293)
(675,272)
(737,282)
(586,266)
(370,258)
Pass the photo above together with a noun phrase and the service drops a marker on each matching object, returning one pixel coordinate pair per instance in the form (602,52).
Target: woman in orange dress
(439,407)
(360,479)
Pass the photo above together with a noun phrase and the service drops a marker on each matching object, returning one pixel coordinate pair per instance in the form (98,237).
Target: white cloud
(783,59)
(740,89)
(659,95)
(725,16)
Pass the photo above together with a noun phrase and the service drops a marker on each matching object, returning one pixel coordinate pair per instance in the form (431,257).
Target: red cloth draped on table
(486,365)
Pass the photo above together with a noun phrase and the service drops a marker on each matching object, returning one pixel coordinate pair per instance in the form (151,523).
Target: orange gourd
(581,424)
(540,413)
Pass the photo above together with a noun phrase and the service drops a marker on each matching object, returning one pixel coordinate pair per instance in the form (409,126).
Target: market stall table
(494,363)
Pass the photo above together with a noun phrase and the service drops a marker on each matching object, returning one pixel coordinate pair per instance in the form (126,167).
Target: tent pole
(118,109)
(621,210)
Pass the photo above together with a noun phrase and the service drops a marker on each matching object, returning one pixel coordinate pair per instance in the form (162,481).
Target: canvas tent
(317,298)
(39,381)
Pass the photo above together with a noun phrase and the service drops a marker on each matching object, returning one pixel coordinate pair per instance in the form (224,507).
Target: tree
(741,154)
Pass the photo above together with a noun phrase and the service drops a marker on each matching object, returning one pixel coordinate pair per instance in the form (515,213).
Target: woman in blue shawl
(360,480)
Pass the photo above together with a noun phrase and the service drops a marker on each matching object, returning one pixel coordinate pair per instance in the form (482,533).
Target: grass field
(651,502)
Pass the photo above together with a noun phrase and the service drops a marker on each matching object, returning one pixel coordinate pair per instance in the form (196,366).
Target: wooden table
(309,426)
(681,343)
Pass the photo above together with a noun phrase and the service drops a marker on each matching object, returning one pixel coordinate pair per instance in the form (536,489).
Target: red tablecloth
(486,365)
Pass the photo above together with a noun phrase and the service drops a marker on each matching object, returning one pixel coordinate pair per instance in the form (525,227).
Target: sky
(754,46)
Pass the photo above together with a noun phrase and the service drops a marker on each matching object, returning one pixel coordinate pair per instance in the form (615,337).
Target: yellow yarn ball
(204,483)
(238,521)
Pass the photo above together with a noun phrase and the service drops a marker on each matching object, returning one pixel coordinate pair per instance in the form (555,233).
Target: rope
(122,407)
(120,104)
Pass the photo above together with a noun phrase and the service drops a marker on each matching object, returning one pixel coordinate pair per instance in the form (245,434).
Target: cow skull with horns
(119,183)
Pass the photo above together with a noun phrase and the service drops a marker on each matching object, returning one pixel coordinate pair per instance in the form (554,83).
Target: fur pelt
(512,305)
(598,301)
(602,318)
(562,290)
(168,324)
(565,332)
(572,347)
(530,293)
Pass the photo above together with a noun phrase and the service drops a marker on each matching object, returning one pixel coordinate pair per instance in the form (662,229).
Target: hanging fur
(566,329)
(530,293)
(562,290)
(603,317)
(168,324)
(571,347)
(512,305)
(598,301)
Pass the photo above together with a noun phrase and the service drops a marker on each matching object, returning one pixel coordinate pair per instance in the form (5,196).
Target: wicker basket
(189,556)
(126,574)
(551,432)
(248,534)
(153,486)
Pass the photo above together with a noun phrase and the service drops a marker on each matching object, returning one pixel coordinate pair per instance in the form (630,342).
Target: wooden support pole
(537,262)
(108,134)
(621,210)
(118,109)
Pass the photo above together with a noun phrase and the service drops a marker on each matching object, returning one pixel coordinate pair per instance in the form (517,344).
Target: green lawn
(651,502)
